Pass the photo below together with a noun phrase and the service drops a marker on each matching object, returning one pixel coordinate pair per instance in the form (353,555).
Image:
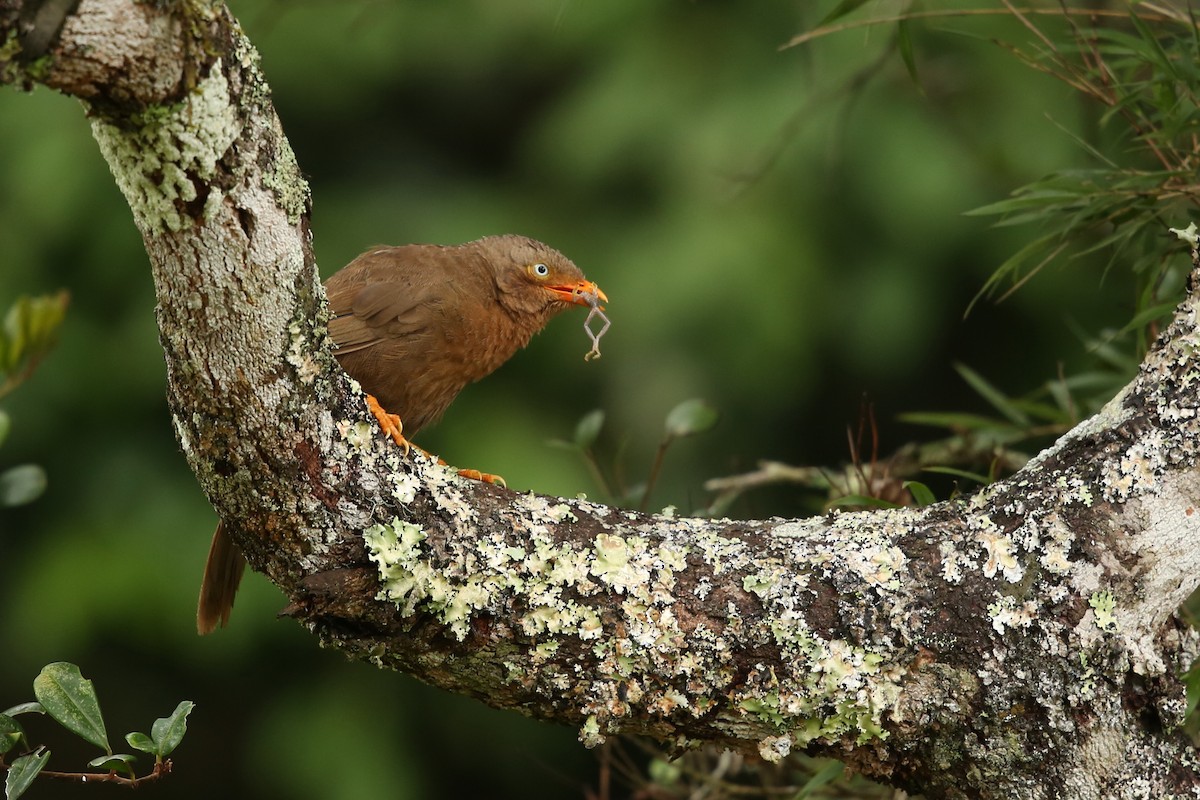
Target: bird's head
(534,278)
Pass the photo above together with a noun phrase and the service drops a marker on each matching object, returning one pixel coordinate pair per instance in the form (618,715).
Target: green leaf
(11,732)
(5,425)
(920,493)
(71,700)
(140,741)
(689,418)
(862,500)
(826,775)
(953,420)
(21,773)
(1012,267)
(588,429)
(1148,315)
(24,708)
(21,485)
(117,762)
(840,10)
(663,772)
(982,480)
(1191,681)
(28,333)
(168,732)
(904,42)
(991,394)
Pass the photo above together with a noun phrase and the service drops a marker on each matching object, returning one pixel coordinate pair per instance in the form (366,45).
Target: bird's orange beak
(578,293)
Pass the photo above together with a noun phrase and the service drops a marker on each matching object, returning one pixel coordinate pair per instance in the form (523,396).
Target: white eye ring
(541,270)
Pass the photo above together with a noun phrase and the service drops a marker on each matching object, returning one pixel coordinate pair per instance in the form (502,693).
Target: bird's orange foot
(390,423)
(393,427)
(486,477)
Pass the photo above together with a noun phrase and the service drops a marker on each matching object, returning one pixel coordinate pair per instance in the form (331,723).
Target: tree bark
(1019,643)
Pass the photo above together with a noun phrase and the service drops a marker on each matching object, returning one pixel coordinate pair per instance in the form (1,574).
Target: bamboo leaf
(992,395)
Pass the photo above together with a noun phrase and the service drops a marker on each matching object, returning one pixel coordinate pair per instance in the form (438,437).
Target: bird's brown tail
(222,574)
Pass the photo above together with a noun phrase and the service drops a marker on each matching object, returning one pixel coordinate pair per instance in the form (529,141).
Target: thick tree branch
(1018,643)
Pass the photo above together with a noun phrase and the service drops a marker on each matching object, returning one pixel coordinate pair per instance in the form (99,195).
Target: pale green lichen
(1087,683)
(299,353)
(757,583)
(560,512)
(953,562)
(10,49)
(1001,556)
(283,177)
(590,734)
(358,435)
(1103,605)
(1187,234)
(157,164)
(1006,613)
(614,562)
(404,485)
(645,656)
(1137,470)
(285,181)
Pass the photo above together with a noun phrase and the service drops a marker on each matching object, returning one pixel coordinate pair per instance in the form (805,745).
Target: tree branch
(1018,643)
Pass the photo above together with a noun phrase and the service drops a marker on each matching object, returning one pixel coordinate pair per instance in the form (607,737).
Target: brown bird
(414,325)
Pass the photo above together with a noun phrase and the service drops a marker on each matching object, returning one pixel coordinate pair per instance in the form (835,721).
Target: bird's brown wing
(369,312)
(401,294)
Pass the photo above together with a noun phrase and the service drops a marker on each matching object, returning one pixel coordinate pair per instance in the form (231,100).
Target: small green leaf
(861,500)
(827,774)
(11,732)
(5,425)
(953,420)
(27,334)
(904,42)
(71,700)
(588,429)
(840,10)
(21,773)
(1191,681)
(168,732)
(689,418)
(1148,315)
(663,772)
(117,762)
(982,480)
(21,485)
(991,394)
(24,708)
(920,493)
(140,741)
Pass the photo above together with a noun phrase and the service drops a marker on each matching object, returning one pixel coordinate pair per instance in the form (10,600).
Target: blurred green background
(779,231)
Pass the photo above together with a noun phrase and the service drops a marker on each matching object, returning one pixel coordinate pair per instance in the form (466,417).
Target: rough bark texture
(1020,643)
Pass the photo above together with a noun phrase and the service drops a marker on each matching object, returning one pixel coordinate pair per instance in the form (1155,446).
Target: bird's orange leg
(486,477)
(390,423)
(392,426)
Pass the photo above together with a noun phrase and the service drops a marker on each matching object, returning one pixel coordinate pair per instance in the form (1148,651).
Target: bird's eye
(541,270)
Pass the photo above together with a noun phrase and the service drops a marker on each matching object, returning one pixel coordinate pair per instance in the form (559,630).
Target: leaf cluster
(29,331)
(70,700)
(689,418)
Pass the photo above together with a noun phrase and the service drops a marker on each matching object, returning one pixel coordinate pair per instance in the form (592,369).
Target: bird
(414,325)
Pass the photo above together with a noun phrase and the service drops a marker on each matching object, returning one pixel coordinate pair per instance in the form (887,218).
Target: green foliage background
(779,231)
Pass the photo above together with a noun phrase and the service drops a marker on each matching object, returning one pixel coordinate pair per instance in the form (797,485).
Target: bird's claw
(390,423)
(392,426)
(486,477)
